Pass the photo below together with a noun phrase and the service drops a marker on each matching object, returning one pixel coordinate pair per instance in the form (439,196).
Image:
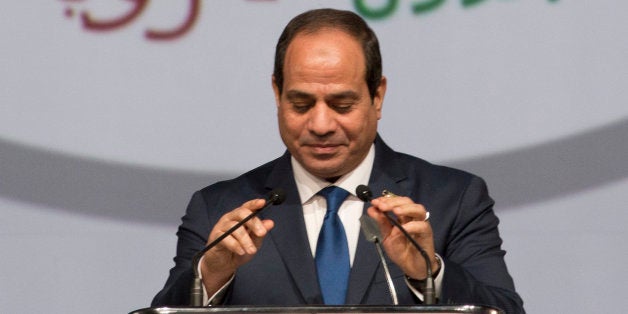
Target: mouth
(324,149)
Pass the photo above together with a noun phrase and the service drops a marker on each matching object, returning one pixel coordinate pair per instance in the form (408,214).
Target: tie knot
(334,196)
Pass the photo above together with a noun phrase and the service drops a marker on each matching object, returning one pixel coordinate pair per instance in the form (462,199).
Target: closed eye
(342,106)
(300,101)
(301,106)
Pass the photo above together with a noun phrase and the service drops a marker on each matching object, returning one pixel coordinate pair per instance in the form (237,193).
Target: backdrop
(112,113)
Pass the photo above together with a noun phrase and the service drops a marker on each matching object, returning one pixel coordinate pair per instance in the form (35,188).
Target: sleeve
(476,270)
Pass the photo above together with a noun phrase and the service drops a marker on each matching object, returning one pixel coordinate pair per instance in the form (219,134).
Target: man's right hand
(221,262)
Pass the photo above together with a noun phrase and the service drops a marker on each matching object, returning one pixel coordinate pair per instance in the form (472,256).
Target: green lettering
(424,7)
(375,13)
(468,3)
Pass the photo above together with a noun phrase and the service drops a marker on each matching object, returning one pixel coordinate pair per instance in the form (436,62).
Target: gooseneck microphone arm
(364,193)
(275,197)
(373,234)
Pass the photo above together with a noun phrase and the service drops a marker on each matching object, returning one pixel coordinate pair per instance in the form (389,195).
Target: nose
(322,120)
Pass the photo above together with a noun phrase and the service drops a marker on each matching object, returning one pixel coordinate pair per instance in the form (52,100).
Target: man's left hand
(401,251)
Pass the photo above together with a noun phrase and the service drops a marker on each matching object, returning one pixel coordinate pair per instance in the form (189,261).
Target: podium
(441,309)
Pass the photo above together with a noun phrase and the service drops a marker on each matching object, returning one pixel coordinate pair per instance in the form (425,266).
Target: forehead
(327,50)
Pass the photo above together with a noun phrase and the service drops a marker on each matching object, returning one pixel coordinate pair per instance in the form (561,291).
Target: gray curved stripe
(149,195)
(111,190)
(556,168)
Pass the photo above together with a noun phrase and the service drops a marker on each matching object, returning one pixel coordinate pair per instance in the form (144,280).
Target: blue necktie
(332,250)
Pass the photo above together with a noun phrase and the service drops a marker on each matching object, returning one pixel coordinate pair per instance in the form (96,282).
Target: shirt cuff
(438,282)
(216,298)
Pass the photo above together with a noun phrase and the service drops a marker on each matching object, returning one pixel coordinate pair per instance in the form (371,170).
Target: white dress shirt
(315,207)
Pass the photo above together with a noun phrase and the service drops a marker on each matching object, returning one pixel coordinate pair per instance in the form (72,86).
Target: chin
(324,170)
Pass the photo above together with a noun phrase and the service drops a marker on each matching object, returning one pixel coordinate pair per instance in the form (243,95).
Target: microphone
(364,193)
(373,234)
(275,197)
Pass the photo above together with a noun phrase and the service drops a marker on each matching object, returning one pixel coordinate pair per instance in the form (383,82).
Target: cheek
(361,131)
(290,125)
(355,127)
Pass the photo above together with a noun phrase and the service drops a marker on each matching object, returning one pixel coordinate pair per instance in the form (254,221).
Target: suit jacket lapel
(363,271)
(289,234)
(386,174)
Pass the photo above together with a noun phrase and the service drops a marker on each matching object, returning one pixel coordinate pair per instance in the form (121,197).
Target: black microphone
(275,197)
(373,234)
(364,193)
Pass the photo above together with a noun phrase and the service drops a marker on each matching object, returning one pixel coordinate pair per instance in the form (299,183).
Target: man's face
(327,118)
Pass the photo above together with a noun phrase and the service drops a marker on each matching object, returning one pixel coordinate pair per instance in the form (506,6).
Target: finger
(239,241)
(254,205)
(246,212)
(233,245)
(381,203)
(388,203)
(418,227)
(403,207)
(411,212)
(242,236)
(268,225)
(250,236)
(253,229)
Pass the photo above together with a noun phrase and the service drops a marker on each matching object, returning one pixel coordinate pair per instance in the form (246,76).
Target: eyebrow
(297,94)
(344,95)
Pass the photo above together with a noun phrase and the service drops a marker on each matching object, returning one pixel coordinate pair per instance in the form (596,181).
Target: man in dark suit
(329,92)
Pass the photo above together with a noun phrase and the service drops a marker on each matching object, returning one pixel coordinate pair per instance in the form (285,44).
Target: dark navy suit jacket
(283,272)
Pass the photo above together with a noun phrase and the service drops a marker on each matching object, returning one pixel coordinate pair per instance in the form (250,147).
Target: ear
(276,91)
(378,98)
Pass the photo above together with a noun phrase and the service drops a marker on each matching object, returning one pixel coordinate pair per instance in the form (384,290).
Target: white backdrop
(105,133)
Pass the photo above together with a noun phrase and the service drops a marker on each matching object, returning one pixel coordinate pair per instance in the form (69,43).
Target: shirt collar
(308,184)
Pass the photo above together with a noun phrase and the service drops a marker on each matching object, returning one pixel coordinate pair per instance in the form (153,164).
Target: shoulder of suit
(252,178)
(423,168)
